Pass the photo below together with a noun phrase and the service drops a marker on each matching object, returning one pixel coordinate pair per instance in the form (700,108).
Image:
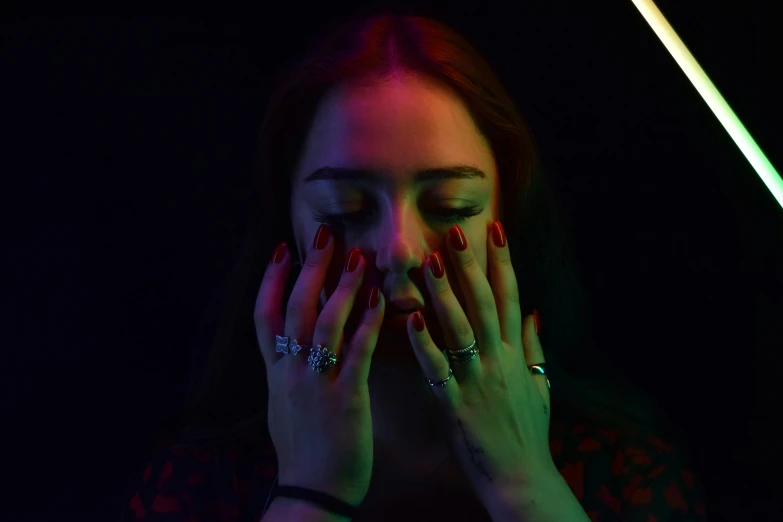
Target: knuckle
(470,401)
(468,262)
(463,330)
(441,371)
(430,345)
(486,303)
(366,321)
(263,316)
(512,296)
(295,304)
(262,305)
(505,261)
(313,261)
(442,290)
(347,282)
(324,328)
(298,308)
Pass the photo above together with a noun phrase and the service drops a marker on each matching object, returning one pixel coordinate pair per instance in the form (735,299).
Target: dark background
(128,143)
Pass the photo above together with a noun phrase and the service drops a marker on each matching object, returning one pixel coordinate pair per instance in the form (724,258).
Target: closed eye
(443,214)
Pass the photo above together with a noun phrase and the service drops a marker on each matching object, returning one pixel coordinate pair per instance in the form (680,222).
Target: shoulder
(216,479)
(620,473)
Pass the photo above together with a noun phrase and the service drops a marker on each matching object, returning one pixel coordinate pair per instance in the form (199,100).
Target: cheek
(334,273)
(478,244)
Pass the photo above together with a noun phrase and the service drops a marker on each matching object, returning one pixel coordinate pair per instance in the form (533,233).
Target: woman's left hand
(499,411)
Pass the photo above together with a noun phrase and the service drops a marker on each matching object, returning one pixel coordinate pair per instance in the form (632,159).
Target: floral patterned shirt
(617,475)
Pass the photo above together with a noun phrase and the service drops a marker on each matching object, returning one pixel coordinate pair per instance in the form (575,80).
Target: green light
(719,107)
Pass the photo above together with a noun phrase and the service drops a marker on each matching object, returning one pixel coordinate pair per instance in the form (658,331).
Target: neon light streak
(707,90)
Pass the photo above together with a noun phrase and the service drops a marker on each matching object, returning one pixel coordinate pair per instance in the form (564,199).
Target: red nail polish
(418,321)
(375,297)
(279,253)
(321,237)
(498,234)
(457,238)
(537,321)
(353,260)
(436,265)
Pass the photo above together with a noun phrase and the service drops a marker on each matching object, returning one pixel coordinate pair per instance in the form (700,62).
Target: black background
(128,142)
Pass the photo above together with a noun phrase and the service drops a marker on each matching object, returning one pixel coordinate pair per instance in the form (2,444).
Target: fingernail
(498,234)
(537,321)
(418,321)
(353,260)
(375,297)
(279,253)
(321,237)
(457,238)
(436,265)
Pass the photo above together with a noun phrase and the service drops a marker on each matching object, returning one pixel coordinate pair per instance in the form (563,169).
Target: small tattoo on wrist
(474,452)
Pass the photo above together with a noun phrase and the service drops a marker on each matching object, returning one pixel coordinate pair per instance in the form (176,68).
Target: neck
(411,446)
(404,409)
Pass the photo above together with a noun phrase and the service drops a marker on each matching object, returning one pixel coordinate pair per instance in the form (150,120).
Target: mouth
(392,319)
(398,320)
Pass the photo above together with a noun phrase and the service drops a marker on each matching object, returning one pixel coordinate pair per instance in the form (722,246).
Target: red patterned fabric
(616,476)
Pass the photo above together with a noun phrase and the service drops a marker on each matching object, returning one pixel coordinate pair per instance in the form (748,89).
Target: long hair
(228,386)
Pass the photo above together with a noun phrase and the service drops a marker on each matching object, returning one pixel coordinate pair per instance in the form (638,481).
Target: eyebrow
(360,174)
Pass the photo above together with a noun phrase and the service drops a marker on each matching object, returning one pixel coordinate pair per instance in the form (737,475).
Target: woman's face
(388,134)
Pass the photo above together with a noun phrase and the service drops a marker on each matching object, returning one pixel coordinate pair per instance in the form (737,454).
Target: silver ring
(540,369)
(321,359)
(463,356)
(463,350)
(470,357)
(440,383)
(283,345)
(535,369)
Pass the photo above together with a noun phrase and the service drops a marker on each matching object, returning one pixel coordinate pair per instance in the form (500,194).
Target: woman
(404,382)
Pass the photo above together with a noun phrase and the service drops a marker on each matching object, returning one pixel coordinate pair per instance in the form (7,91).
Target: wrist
(548,498)
(285,508)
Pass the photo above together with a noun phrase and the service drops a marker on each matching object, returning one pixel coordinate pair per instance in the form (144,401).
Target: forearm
(552,501)
(284,509)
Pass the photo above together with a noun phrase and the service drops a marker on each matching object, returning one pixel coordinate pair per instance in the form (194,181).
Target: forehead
(399,127)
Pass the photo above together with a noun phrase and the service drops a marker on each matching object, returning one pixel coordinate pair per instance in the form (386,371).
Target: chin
(394,346)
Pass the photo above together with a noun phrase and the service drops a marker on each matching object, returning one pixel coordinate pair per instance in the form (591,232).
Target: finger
(302,311)
(433,362)
(356,367)
(534,354)
(479,300)
(330,324)
(457,331)
(503,281)
(269,301)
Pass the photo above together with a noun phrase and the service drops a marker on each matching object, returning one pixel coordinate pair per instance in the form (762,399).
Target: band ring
(440,383)
(535,369)
(463,356)
(540,369)
(458,353)
(470,356)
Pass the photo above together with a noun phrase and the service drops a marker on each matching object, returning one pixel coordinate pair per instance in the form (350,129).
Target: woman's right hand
(320,423)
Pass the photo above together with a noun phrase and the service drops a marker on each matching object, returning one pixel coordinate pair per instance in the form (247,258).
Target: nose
(401,247)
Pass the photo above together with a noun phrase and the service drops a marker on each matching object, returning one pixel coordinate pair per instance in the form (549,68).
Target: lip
(394,315)
(396,319)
